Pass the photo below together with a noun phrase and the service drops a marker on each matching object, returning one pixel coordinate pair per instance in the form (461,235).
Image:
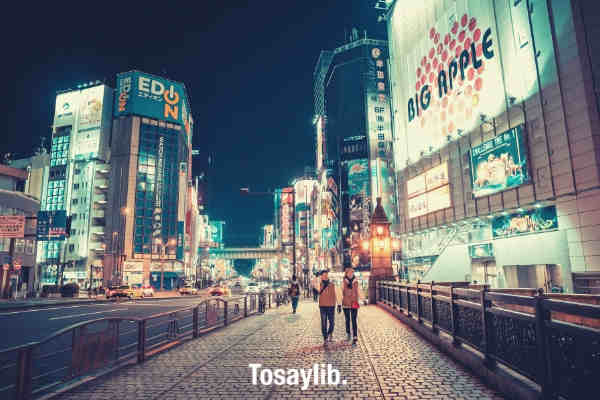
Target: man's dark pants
(315,294)
(327,313)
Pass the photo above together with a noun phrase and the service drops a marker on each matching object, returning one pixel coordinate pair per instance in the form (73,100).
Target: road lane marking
(54,308)
(82,315)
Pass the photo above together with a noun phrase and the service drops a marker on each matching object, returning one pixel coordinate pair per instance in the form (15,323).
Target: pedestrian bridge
(246,253)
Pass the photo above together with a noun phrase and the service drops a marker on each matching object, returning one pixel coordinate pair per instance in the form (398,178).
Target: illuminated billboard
(286,211)
(151,96)
(460,62)
(66,108)
(428,192)
(499,163)
(216,231)
(320,142)
(90,108)
(358,177)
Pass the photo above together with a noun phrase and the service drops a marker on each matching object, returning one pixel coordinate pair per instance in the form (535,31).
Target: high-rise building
(150,176)
(77,183)
(496,141)
(354,138)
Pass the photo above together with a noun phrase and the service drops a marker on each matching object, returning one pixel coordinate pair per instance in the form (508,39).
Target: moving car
(217,290)
(188,289)
(121,291)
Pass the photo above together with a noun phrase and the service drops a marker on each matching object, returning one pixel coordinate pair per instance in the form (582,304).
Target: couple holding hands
(347,297)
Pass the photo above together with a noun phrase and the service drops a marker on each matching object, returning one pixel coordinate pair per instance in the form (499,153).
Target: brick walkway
(390,362)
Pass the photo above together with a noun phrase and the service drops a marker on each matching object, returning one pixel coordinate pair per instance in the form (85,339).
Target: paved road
(390,362)
(24,326)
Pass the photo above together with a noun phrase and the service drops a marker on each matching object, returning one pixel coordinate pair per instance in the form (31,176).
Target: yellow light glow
(380,230)
(365,245)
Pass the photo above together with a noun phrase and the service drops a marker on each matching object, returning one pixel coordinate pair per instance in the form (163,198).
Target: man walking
(328,298)
(315,283)
(294,293)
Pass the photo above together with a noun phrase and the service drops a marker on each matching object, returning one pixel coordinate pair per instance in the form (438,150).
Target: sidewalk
(390,362)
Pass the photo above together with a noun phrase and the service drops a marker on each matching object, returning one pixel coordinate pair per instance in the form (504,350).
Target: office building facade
(77,183)
(354,141)
(496,144)
(150,180)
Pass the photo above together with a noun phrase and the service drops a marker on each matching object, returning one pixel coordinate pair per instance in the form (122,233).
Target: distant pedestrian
(351,295)
(294,293)
(328,298)
(315,282)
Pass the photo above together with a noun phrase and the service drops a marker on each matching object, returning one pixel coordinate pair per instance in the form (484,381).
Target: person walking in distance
(328,298)
(315,283)
(294,293)
(350,302)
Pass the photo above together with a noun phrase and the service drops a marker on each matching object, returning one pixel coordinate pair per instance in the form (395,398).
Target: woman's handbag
(355,305)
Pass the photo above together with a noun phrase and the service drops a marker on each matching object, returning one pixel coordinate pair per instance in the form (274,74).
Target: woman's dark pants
(351,313)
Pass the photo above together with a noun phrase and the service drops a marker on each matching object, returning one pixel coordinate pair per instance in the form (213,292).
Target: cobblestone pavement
(389,362)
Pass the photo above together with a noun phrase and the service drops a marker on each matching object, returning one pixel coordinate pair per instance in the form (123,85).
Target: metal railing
(89,349)
(562,357)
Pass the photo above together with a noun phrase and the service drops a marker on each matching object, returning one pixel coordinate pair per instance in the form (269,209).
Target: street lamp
(381,249)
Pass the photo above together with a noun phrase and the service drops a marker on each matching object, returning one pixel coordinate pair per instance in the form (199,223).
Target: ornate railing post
(225,312)
(141,346)
(433,313)
(407,301)
(195,322)
(418,302)
(452,316)
(245,306)
(485,345)
(24,365)
(544,372)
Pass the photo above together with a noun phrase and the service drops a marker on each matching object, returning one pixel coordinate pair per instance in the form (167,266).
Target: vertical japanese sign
(180,240)
(286,215)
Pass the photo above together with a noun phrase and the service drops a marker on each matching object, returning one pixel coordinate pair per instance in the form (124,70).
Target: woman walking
(350,302)
(294,293)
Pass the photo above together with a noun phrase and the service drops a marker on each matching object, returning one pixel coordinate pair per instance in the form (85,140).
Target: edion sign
(157,88)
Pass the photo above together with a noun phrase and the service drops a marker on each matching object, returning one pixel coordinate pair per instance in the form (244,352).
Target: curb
(81,302)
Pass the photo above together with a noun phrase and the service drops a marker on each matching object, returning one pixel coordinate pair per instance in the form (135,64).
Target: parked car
(147,291)
(216,290)
(188,289)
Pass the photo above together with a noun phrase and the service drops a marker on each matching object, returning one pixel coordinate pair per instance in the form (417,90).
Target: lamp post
(293,193)
(124,213)
(381,250)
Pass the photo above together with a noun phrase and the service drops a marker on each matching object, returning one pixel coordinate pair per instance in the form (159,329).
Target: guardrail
(561,357)
(86,350)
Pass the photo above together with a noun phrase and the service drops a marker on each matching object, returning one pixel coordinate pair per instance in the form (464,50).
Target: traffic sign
(17,267)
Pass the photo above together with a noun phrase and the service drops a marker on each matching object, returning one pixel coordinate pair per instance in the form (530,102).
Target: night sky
(247,66)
